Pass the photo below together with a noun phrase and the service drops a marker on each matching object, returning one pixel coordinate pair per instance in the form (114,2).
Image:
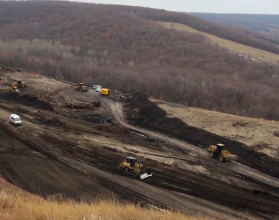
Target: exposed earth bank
(68,144)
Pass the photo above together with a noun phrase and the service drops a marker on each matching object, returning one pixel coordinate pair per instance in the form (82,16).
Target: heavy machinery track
(69,156)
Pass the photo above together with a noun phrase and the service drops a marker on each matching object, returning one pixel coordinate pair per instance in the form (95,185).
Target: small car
(15,119)
(97,88)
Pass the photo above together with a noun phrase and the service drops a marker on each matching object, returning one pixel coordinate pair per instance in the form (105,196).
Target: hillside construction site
(86,146)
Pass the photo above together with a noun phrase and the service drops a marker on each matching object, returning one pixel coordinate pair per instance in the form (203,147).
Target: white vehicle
(97,88)
(15,119)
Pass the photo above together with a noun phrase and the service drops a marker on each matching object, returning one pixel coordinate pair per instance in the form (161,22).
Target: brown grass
(16,204)
(262,135)
(227,44)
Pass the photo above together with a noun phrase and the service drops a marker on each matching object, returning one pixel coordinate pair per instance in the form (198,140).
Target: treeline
(115,47)
(230,33)
(75,22)
(104,32)
(210,82)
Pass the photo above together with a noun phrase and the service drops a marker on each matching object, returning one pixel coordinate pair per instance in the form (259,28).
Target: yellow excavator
(19,84)
(217,151)
(80,87)
(132,166)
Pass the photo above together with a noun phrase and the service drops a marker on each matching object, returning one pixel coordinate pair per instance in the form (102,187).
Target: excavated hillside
(141,111)
(72,142)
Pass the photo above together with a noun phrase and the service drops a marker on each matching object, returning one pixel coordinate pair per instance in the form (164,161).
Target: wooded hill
(122,47)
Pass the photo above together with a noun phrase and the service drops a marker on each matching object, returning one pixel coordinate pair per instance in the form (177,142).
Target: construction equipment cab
(105,91)
(15,119)
(131,165)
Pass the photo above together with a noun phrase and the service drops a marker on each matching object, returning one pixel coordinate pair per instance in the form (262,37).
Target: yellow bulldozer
(132,166)
(80,87)
(19,84)
(218,151)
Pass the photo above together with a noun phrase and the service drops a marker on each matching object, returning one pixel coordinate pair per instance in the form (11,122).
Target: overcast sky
(216,6)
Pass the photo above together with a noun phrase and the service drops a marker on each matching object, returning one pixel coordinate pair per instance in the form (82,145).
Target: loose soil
(75,151)
(141,111)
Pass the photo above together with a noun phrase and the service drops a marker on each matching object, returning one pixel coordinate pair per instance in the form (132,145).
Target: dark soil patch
(115,129)
(53,122)
(93,118)
(21,110)
(28,100)
(140,111)
(189,183)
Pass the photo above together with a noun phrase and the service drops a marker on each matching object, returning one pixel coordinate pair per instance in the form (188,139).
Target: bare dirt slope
(259,134)
(64,146)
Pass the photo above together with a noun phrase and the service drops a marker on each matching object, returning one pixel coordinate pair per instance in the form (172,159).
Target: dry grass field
(227,44)
(263,135)
(16,204)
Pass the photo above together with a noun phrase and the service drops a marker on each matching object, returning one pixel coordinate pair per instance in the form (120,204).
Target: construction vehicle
(97,88)
(105,91)
(80,87)
(19,84)
(13,90)
(132,166)
(217,151)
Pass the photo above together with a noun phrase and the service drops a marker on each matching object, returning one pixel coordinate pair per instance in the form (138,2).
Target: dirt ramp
(139,110)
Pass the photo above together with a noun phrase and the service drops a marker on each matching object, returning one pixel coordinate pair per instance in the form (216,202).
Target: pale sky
(214,6)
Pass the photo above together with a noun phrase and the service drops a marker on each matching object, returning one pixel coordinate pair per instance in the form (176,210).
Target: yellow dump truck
(105,91)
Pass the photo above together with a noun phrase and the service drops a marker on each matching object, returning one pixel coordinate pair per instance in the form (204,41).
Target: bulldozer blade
(145,175)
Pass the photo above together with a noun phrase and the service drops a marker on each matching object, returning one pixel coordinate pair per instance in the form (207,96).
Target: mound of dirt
(29,100)
(81,105)
(115,129)
(50,121)
(34,101)
(141,111)
(78,105)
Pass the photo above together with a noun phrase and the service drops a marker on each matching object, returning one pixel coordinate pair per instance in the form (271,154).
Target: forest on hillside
(121,48)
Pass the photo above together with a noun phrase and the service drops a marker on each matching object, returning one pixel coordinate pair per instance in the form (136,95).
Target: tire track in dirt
(53,178)
(177,191)
(117,110)
(60,176)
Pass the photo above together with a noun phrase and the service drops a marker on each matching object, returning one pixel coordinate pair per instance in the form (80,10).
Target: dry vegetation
(263,135)
(228,44)
(18,205)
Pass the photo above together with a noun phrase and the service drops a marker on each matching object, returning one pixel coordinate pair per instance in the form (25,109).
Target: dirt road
(195,152)
(31,170)
(57,150)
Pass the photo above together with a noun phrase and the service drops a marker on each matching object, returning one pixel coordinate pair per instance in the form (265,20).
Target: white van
(15,119)
(97,88)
